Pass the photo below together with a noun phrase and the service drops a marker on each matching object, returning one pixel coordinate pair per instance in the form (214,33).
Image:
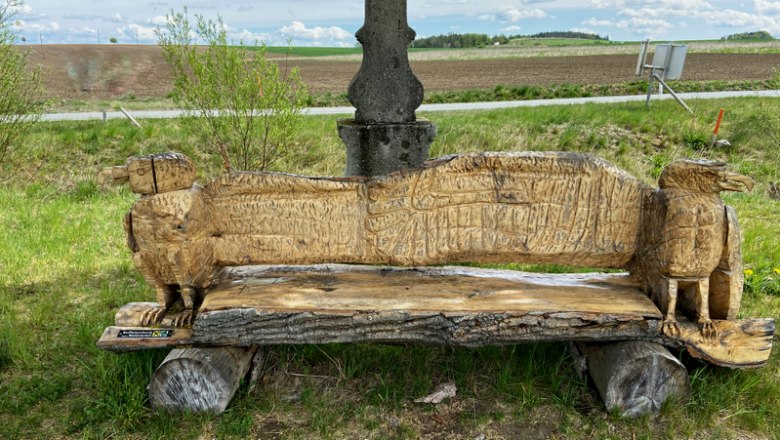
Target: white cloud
(159,20)
(596,22)
(82,32)
(766,7)
(42,28)
(249,38)
(20,9)
(115,18)
(731,18)
(133,31)
(635,25)
(604,4)
(513,28)
(512,14)
(298,29)
(650,16)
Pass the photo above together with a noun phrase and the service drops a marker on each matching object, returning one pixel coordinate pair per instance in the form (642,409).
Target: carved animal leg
(191,299)
(166,297)
(708,329)
(669,325)
(154,315)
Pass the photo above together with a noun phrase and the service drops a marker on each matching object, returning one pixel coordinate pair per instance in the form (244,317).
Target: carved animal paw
(708,329)
(153,316)
(670,327)
(184,319)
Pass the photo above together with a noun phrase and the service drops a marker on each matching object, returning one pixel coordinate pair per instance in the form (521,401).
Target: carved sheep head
(703,176)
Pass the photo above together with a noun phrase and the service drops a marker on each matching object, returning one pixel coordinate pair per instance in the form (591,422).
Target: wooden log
(267,305)
(199,379)
(636,378)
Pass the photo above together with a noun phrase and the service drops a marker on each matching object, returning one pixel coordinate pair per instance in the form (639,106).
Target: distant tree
(757,35)
(113,40)
(565,34)
(246,109)
(20,89)
(455,41)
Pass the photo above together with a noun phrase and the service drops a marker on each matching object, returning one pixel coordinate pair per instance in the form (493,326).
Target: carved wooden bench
(200,248)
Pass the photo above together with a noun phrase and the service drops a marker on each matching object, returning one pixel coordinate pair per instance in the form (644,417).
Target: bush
(247,111)
(20,90)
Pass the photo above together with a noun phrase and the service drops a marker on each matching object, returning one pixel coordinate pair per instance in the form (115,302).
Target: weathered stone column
(385,135)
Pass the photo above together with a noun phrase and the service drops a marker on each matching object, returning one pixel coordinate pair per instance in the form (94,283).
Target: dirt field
(104,72)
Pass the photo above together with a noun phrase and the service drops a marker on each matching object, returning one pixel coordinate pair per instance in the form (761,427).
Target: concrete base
(380,149)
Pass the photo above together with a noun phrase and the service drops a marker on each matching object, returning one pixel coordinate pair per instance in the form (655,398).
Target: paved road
(172,114)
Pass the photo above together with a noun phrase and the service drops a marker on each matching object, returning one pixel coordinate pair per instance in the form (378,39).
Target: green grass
(65,270)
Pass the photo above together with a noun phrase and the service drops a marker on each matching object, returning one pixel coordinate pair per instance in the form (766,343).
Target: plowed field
(102,72)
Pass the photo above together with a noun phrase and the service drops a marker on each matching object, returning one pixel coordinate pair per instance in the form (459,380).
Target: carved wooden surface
(685,237)
(526,207)
(452,306)
(728,279)
(558,208)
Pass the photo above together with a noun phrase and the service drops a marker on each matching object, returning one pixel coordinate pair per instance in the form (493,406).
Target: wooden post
(636,378)
(199,379)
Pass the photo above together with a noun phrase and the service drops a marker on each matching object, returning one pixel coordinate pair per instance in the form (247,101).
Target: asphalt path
(469,106)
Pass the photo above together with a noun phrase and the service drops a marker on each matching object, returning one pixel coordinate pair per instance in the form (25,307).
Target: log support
(197,380)
(636,378)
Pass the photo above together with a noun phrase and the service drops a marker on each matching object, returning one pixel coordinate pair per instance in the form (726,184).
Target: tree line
(758,35)
(463,41)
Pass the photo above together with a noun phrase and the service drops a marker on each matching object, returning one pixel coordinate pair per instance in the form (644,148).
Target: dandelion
(749,272)
(777,271)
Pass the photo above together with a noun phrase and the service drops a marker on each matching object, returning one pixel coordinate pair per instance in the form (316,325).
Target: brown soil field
(113,71)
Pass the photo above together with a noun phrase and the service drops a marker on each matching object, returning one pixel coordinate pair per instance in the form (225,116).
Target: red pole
(717,129)
(717,124)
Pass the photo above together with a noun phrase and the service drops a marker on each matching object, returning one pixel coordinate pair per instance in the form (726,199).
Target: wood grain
(198,380)
(471,307)
(636,378)
(562,208)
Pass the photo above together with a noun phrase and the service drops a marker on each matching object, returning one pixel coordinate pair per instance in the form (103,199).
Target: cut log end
(636,378)
(199,380)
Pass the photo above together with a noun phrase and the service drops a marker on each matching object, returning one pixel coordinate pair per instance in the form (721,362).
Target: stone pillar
(385,135)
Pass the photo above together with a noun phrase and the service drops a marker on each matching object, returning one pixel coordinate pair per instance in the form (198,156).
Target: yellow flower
(777,271)
(749,272)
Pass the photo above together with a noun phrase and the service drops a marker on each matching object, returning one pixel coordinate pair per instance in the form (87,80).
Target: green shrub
(246,109)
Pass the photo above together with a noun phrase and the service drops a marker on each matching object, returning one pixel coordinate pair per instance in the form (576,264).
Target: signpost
(667,65)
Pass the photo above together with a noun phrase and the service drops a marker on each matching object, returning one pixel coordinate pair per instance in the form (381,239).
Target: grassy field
(65,270)
(497,93)
(324,51)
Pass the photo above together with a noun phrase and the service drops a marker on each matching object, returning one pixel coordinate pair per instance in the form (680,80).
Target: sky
(333,23)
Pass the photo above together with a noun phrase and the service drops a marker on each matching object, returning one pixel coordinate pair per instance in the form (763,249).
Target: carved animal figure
(510,207)
(685,228)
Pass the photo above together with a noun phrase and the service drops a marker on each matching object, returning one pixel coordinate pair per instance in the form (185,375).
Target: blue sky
(334,22)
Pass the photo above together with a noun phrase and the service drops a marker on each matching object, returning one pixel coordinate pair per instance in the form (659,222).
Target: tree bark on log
(199,380)
(636,378)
